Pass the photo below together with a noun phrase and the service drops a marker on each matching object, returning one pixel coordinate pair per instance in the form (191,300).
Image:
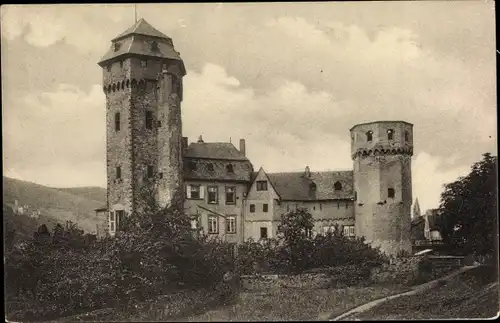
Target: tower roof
(142,27)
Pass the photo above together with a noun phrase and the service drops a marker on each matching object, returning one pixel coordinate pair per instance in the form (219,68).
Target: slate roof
(214,150)
(295,186)
(142,27)
(131,43)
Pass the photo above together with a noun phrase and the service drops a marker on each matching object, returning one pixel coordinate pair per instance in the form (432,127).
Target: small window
(338,205)
(150,171)
(231,224)
(369,136)
(116,47)
(158,124)
(164,66)
(346,205)
(112,221)
(160,175)
(120,215)
(230,169)
(149,119)
(349,231)
(121,64)
(118,172)
(193,192)
(154,46)
(212,195)
(320,206)
(313,186)
(252,208)
(261,185)
(117,121)
(390,134)
(213,225)
(210,167)
(109,67)
(288,208)
(230,195)
(337,186)
(264,207)
(390,193)
(144,63)
(314,208)
(407,136)
(263,233)
(176,85)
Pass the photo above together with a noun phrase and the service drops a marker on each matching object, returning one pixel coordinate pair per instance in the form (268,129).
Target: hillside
(23,225)
(58,205)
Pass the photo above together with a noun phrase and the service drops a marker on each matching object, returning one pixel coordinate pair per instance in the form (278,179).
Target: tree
(467,215)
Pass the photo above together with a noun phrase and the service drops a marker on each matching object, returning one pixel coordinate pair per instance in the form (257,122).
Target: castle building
(142,80)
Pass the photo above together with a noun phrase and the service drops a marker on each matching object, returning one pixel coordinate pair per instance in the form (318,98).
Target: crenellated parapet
(125,84)
(382,151)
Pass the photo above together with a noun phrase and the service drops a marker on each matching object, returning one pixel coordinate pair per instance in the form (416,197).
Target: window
(149,119)
(407,136)
(121,64)
(176,84)
(194,192)
(349,231)
(154,46)
(312,186)
(212,224)
(112,221)
(264,208)
(390,134)
(328,229)
(263,233)
(369,136)
(230,195)
(120,214)
(337,186)
(144,63)
(158,124)
(164,66)
(118,172)
(261,185)
(390,193)
(116,47)
(212,195)
(338,205)
(160,175)
(117,121)
(231,224)
(346,205)
(210,167)
(230,169)
(288,208)
(320,206)
(252,208)
(150,171)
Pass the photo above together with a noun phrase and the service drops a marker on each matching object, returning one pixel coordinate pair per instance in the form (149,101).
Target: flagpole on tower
(135,12)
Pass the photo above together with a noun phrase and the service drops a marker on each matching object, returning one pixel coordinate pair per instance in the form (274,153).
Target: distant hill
(23,225)
(56,204)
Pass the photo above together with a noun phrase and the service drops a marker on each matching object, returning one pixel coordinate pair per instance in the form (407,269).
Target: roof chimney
(242,147)
(184,143)
(200,139)
(307,173)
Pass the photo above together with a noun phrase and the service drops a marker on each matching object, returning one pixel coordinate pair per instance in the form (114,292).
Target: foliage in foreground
(65,272)
(296,251)
(468,211)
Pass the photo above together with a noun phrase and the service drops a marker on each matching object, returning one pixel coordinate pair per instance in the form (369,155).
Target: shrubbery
(65,272)
(295,251)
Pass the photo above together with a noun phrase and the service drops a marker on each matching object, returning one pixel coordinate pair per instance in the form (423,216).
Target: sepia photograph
(260,161)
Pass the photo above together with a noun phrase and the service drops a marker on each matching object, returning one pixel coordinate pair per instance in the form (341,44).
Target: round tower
(142,81)
(382,152)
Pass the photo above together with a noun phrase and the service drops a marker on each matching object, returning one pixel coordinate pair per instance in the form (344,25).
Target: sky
(290,78)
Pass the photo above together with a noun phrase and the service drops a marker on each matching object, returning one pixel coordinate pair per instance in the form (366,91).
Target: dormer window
(230,169)
(116,47)
(154,46)
(337,186)
(369,136)
(390,134)
(312,186)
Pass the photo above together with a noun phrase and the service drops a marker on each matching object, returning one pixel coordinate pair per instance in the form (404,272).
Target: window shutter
(188,191)
(202,191)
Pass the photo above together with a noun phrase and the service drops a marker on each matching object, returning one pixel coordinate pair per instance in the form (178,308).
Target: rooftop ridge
(142,27)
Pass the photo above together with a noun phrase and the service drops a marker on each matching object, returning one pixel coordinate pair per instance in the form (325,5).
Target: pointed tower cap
(141,27)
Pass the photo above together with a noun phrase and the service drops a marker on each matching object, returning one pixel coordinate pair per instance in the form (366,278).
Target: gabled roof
(142,27)
(295,186)
(214,150)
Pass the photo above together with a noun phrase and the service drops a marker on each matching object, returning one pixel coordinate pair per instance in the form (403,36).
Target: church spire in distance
(416,209)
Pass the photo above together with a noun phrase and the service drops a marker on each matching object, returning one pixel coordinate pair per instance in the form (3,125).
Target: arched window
(210,167)
(390,134)
(407,136)
(337,186)
(390,193)
(369,136)
(230,169)
(154,46)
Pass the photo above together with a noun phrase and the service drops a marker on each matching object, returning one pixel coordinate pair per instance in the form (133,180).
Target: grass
(462,297)
(294,304)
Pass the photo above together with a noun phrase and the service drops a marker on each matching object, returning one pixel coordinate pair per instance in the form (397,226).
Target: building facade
(142,80)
